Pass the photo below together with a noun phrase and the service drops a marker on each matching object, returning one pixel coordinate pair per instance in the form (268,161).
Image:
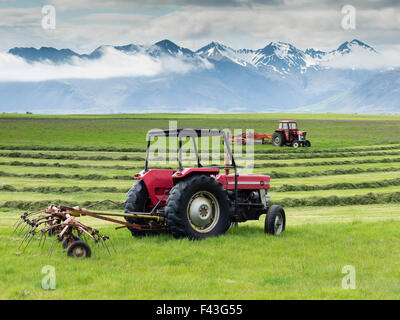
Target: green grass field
(342,200)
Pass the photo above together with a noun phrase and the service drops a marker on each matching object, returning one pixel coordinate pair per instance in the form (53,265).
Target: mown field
(342,200)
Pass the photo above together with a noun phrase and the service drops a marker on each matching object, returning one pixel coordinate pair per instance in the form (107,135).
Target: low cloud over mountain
(167,77)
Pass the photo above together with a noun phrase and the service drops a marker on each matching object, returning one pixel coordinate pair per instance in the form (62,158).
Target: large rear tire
(137,200)
(198,207)
(278,139)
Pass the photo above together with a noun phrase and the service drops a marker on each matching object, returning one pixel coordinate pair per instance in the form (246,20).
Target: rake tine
(95,250)
(19,223)
(52,247)
(44,240)
(30,239)
(24,238)
(23,228)
(101,242)
(40,239)
(112,245)
(105,245)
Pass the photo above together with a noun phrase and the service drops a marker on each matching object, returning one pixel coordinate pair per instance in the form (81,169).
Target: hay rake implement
(61,222)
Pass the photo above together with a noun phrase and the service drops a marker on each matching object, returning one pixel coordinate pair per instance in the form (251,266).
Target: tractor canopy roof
(186,133)
(191,133)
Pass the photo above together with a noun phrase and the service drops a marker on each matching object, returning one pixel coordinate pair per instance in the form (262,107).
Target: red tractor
(288,134)
(198,202)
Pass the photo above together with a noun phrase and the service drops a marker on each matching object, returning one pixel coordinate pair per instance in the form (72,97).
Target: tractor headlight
(265,197)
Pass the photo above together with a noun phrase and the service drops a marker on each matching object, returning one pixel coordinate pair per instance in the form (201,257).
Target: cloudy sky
(84,25)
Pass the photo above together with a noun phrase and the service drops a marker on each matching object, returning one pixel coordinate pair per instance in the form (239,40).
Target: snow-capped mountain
(44,53)
(280,57)
(217,52)
(277,57)
(349,47)
(277,77)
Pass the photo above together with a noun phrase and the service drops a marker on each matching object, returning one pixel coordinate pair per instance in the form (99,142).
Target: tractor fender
(192,171)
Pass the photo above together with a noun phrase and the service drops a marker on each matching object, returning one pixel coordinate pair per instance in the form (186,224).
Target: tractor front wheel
(295,144)
(307,143)
(198,207)
(275,221)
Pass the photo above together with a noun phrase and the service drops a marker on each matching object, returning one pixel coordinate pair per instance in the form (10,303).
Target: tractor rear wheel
(198,207)
(275,221)
(278,139)
(138,200)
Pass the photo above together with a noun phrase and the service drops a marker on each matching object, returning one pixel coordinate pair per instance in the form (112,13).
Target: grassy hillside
(129,131)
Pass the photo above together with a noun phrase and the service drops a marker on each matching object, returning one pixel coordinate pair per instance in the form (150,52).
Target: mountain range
(278,77)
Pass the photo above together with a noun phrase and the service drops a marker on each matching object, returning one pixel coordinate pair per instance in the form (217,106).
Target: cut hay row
(284,188)
(64,176)
(365,199)
(65,148)
(325,163)
(272,174)
(339,186)
(67,165)
(37,205)
(140,167)
(50,156)
(64,156)
(333,172)
(70,189)
(326,155)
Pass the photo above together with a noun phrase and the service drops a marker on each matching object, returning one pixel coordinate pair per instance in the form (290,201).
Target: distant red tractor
(287,134)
